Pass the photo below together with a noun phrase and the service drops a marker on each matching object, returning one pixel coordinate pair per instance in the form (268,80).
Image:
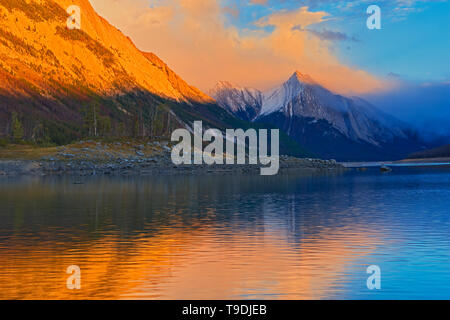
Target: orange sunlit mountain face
(39,51)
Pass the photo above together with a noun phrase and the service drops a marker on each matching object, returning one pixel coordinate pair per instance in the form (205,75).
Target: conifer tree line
(152,122)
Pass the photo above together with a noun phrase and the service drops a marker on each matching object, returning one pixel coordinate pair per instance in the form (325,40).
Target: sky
(260,43)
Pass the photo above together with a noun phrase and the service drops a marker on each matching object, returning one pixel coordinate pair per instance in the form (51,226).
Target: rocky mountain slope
(38,49)
(243,102)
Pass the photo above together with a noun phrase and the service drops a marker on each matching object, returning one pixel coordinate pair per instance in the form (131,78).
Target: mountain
(331,125)
(245,103)
(440,152)
(37,48)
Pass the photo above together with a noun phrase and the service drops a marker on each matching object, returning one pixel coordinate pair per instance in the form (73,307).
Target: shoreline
(139,158)
(426,160)
(148,167)
(90,158)
(430,162)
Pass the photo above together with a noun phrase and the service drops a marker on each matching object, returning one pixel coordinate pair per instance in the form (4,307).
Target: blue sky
(413,44)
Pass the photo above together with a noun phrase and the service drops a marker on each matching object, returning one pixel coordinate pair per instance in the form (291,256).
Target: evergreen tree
(104,125)
(121,132)
(17,128)
(91,118)
(136,127)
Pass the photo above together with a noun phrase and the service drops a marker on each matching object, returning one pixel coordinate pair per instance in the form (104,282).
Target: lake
(295,236)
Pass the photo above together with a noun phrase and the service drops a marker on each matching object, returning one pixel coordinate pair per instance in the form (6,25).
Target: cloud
(232,10)
(394,75)
(424,105)
(195,39)
(328,35)
(262,2)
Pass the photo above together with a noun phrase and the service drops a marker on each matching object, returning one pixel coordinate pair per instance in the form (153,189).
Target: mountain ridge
(317,118)
(105,59)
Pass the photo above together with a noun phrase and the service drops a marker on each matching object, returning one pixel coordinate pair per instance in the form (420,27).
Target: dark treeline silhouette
(152,122)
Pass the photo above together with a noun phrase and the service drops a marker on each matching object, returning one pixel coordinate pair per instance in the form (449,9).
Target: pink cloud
(193,38)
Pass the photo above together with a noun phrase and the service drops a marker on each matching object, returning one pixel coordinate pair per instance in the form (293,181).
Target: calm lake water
(228,237)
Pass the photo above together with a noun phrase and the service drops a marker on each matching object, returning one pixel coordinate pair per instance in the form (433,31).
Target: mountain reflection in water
(228,237)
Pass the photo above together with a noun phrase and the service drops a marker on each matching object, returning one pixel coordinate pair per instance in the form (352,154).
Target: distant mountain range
(440,152)
(330,125)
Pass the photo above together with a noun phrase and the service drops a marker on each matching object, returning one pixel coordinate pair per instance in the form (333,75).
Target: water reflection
(227,237)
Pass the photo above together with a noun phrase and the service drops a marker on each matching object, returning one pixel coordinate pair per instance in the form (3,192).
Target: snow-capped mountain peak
(314,115)
(301,96)
(279,98)
(244,102)
(302,78)
(221,85)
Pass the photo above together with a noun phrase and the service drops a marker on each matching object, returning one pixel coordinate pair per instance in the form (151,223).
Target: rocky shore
(94,158)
